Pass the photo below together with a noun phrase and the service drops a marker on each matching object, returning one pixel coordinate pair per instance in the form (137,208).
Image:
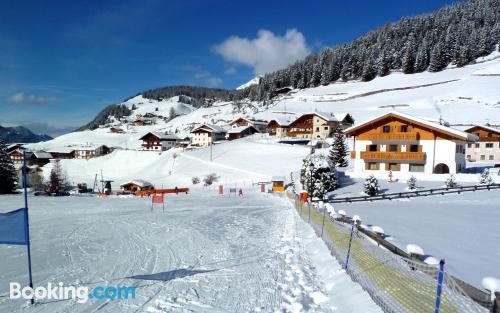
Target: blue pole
(440,285)
(350,242)
(25,185)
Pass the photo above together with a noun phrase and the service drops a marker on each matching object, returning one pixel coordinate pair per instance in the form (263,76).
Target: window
(483,157)
(394,167)
(413,148)
(393,148)
(469,145)
(468,156)
(490,134)
(416,168)
(386,129)
(404,128)
(317,129)
(372,148)
(477,145)
(326,127)
(489,145)
(491,158)
(372,166)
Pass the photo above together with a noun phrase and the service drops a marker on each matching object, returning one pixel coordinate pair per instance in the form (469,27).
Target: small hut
(278,183)
(136,185)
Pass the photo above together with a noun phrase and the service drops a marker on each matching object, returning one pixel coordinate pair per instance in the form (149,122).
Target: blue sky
(61,62)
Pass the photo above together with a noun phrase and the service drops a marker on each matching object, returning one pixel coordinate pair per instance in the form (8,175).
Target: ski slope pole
(323,224)
(350,242)
(25,185)
(440,285)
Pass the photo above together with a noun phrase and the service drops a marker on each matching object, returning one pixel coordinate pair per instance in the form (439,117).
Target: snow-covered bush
(451,182)
(340,151)
(210,179)
(318,176)
(412,183)
(195,180)
(371,186)
(485,178)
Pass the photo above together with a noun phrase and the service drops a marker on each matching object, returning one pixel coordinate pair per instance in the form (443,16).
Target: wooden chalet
(241,131)
(487,149)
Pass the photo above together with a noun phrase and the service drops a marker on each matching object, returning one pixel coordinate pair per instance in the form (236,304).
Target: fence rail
(413,194)
(395,281)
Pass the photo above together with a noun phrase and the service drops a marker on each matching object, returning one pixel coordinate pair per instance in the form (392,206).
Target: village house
(39,158)
(241,131)
(115,130)
(90,151)
(16,156)
(136,185)
(318,125)
(487,149)
(159,142)
(403,143)
(63,153)
(259,125)
(278,127)
(206,134)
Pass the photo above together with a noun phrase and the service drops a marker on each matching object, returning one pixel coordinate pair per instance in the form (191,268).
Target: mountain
(453,36)
(253,81)
(21,134)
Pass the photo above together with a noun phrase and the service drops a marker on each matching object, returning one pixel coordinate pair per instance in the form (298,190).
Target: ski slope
(206,253)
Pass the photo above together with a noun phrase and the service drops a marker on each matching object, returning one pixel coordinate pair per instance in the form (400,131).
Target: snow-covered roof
(62,150)
(139,182)
(237,130)
(418,120)
(162,136)
(211,128)
(492,129)
(88,147)
(42,155)
(278,178)
(249,120)
(281,121)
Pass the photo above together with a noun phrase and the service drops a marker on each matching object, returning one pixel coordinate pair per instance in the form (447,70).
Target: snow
(253,81)
(377,230)
(491,283)
(460,228)
(414,249)
(206,253)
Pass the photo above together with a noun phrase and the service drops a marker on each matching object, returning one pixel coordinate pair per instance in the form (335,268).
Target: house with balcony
(278,127)
(403,143)
(206,134)
(487,149)
(318,125)
(159,142)
(259,125)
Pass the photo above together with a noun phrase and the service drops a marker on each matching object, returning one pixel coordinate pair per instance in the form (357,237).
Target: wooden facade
(487,149)
(399,142)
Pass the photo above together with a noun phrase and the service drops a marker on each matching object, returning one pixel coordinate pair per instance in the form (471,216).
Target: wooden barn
(241,131)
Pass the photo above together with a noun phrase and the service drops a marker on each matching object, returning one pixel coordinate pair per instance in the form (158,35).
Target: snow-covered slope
(253,81)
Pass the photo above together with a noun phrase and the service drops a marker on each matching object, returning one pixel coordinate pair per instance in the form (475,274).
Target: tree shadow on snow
(171,275)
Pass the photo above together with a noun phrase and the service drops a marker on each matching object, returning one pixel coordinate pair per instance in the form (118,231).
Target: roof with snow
(209,128)
(417,120)
(139,182)
(489,128)
(162,136)
(42,155)
(278,178)
(237,130)
(281,121)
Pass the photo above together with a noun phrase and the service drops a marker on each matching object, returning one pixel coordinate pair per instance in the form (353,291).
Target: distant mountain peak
(21,134)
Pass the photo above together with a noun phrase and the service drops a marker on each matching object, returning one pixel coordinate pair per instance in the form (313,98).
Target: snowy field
(462,229)
(206,253)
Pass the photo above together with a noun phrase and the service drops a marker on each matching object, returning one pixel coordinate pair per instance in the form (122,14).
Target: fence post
(324,213)
(350,242)
(440,285)
(309,210)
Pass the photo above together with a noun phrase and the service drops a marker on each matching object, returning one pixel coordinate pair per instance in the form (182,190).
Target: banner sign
(14,227)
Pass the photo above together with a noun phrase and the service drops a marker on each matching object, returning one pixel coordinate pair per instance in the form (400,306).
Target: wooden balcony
(299,132)
(393,156)
(395,137)
(353,154)
(489,139)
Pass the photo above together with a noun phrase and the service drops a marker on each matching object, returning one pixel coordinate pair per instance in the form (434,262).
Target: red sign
(221,189)
(157,198)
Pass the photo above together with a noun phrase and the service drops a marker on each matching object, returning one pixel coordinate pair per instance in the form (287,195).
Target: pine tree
(412,183)
(382,65)
(369,71)
(464,56)
(171,113)
(8,174)
(371,186)
(485,178)
(321,179)
(436,63)
(422,58)
(340,151)
(408,61)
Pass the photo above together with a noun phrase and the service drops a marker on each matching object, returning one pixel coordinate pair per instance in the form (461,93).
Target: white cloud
(22,98)
(203,76)
(266,53)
